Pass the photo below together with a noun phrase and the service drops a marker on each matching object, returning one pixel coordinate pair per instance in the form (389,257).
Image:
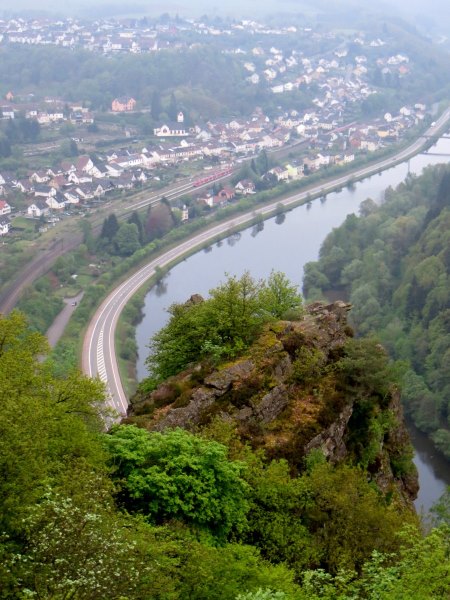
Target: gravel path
(56,330)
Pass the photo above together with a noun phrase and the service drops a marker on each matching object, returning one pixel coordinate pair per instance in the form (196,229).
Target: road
(56,329)
(99,353)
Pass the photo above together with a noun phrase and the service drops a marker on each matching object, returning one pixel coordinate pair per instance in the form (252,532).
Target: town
(337,125)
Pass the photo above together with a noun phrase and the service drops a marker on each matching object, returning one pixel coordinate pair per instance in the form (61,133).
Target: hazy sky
(430,13)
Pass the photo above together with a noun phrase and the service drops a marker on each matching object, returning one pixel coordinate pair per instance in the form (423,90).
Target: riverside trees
(393,264)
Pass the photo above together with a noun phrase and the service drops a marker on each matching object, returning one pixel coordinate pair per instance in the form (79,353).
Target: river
(285,244)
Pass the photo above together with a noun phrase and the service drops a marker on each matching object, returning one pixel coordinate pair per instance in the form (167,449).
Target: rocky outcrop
(331,441)
(271,405)
(223,380)
(396,455)
(288,396)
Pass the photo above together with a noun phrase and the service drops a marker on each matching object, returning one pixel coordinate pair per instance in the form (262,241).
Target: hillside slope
(393,264)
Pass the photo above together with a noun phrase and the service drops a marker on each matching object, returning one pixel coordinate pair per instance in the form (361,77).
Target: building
(123,104)
(39,208)
(5,224)
(5,208)
(174,129)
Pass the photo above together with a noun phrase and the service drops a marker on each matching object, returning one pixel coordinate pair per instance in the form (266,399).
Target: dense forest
(97,80)
(173,514)
(393,264)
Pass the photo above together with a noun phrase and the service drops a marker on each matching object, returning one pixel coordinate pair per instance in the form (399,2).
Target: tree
(156,107)
(420,568)
(278,295)
(211,573)
(180,341)
(136,219)
(172,111)
(346,518)
(262,163)
(276,524)
(126,240)
(314,279)
(88,237)
(69,148)
(5,146)
(64,414)
(220,327)
(78,547)
(235,309)
(159,220)
(176,475)
(110,227)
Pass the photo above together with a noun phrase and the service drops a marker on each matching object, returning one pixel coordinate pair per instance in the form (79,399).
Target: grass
(24,223)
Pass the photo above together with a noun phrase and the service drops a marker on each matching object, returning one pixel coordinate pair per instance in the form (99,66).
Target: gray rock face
(272,404)
(283,368)
(331,440)
(224,379)
(202,398)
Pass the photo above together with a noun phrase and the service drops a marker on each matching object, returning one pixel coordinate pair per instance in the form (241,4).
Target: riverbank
(253,209)
(284,244)
(348,176)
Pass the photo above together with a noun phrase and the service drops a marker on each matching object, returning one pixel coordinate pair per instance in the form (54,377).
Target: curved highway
(99,354)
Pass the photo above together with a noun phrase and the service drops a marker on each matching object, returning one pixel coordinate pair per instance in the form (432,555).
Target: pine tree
(110,227)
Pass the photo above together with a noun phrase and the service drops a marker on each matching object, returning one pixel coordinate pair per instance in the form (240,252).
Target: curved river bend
(285,244)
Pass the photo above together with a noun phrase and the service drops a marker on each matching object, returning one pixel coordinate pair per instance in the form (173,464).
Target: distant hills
(432,17)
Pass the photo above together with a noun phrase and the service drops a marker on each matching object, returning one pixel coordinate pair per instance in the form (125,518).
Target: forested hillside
(393,264)
(177,515)
(98,80)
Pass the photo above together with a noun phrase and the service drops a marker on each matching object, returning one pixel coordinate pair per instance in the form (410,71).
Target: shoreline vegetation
(68,349)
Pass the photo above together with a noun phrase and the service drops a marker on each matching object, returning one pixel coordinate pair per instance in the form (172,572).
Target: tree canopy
(223,325)
(173,515)
(176,475)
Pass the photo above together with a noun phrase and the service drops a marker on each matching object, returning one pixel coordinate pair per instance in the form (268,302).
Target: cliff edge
(303,385)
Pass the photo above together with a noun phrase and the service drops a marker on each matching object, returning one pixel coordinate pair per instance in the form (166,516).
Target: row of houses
(50,111)
(84,178)
(135,36)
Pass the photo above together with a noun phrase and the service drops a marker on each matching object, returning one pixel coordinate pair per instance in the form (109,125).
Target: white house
(57,202)
(245,187)
(5,208)
(71,197)
(38,209)
(5,224)
(44,191)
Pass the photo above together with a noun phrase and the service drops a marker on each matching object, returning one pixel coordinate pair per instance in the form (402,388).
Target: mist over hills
(432,16)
